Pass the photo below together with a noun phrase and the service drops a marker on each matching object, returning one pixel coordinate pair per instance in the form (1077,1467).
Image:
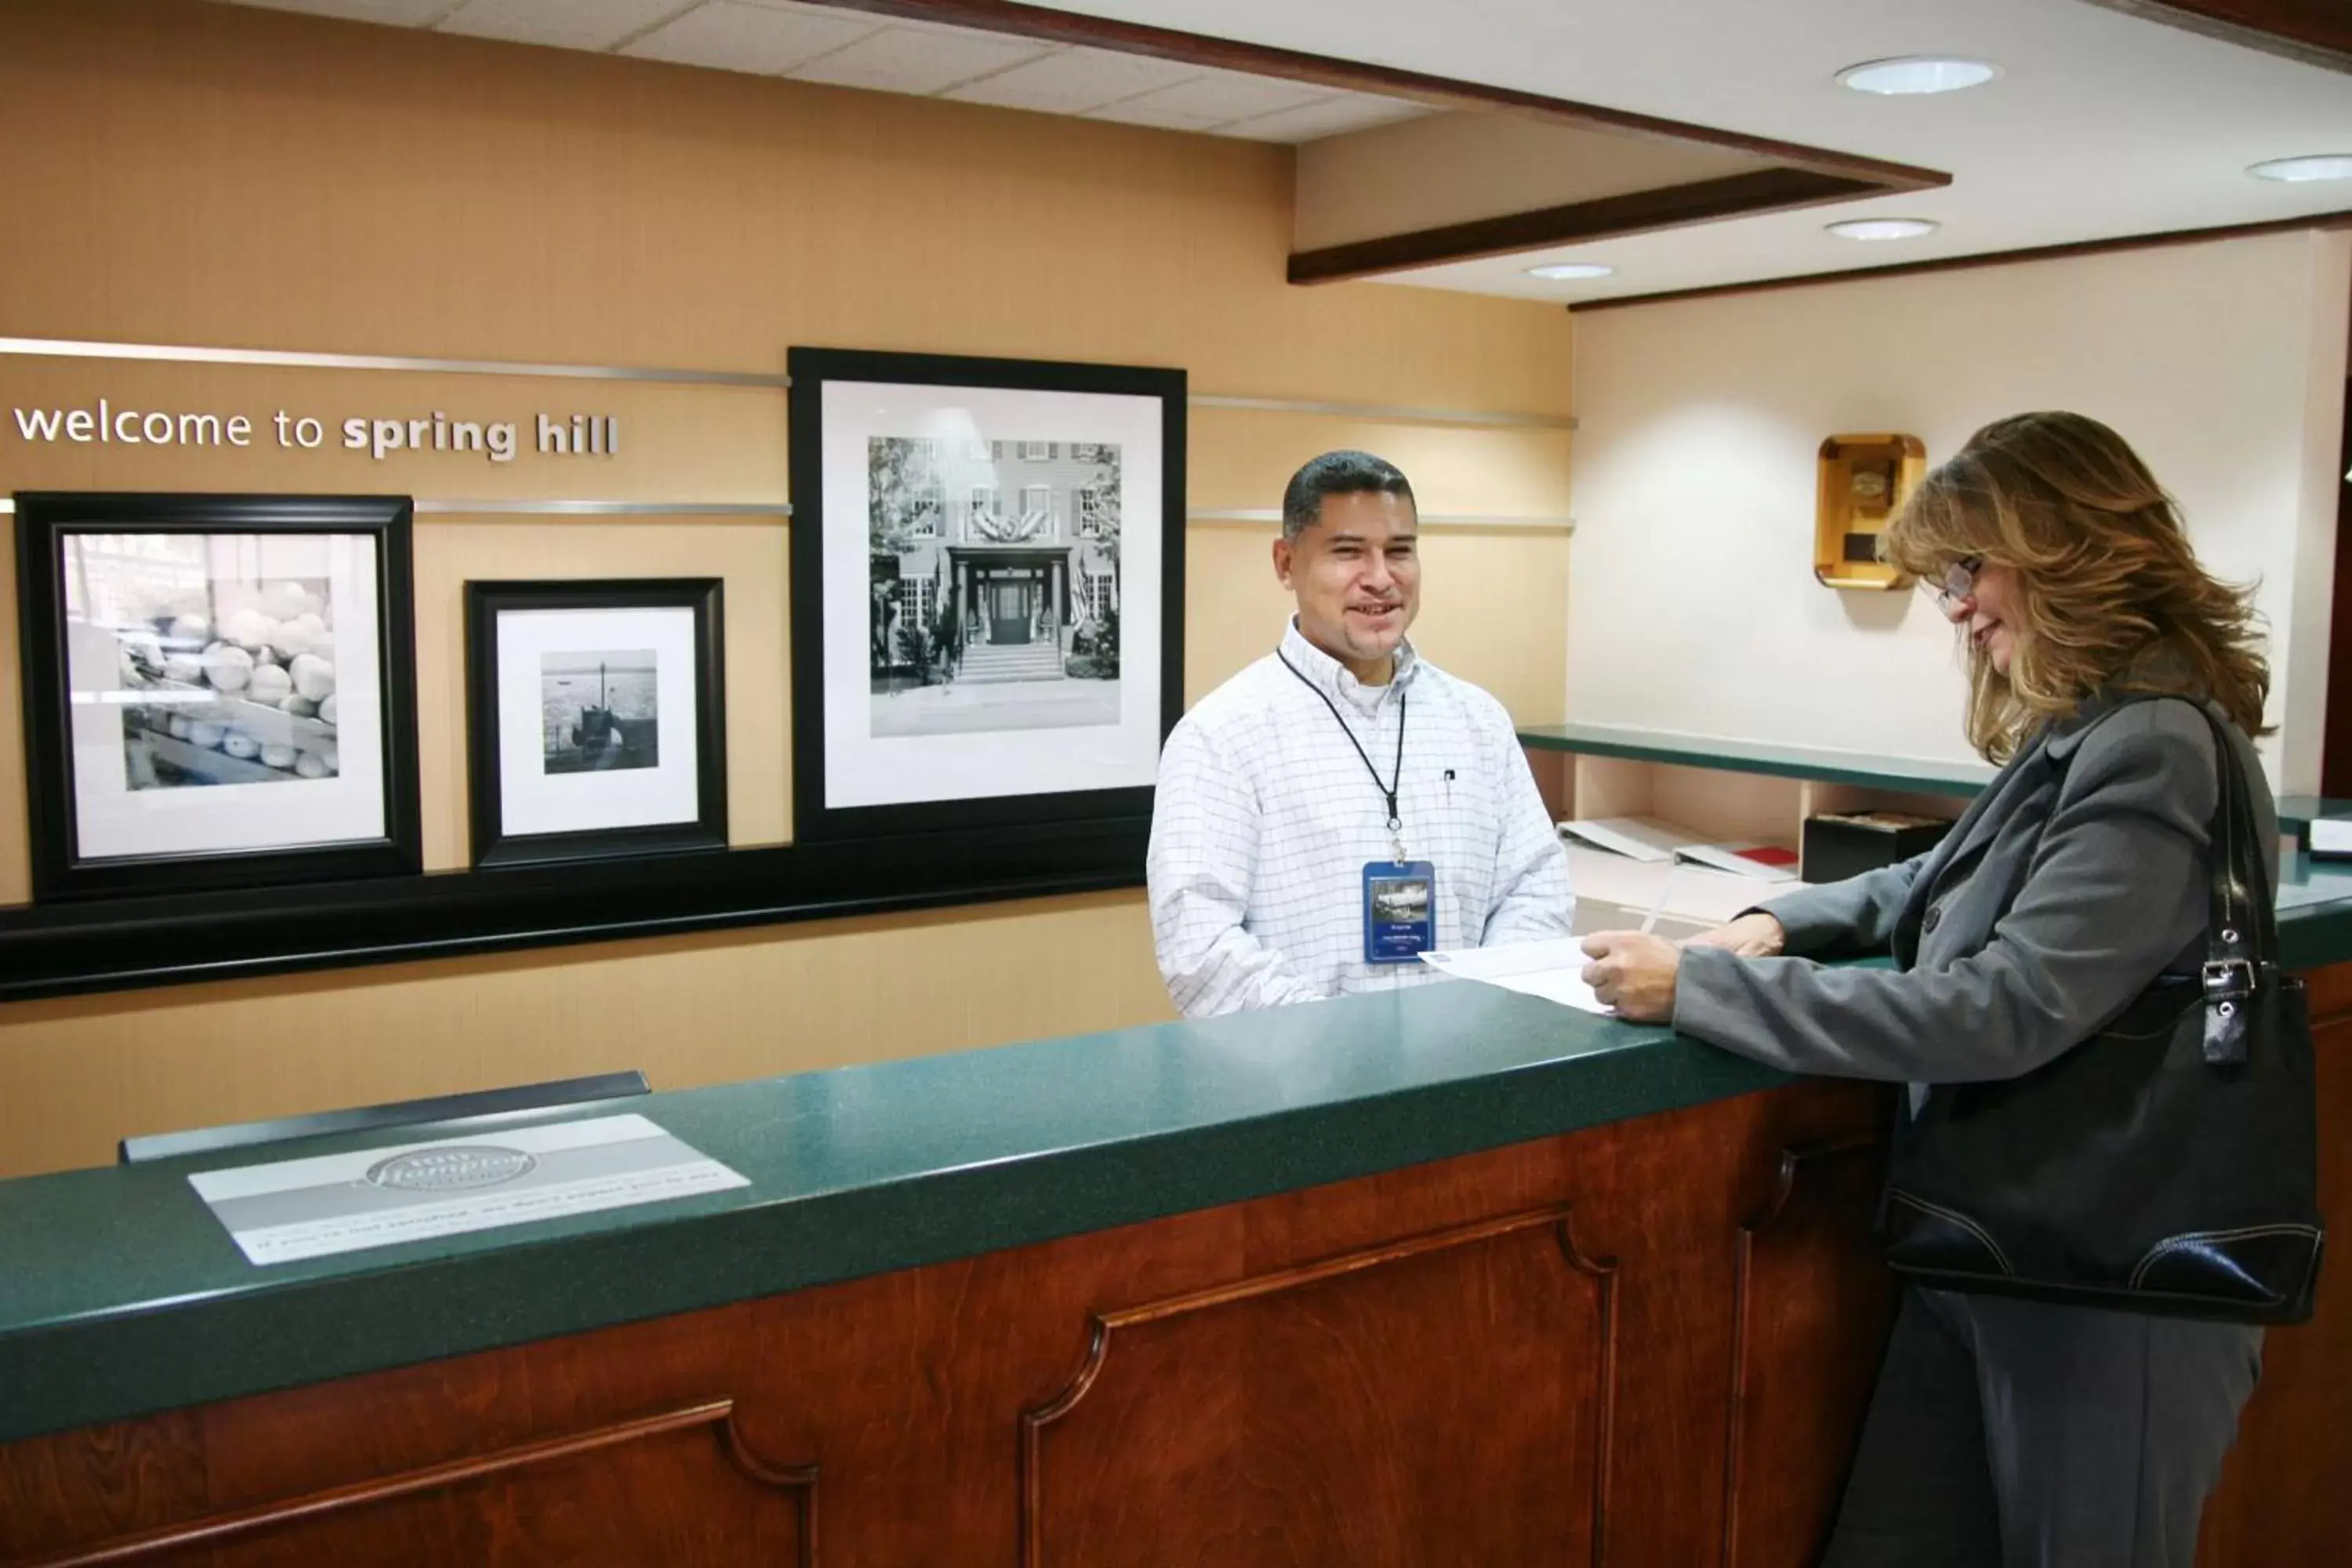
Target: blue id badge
(1400,910)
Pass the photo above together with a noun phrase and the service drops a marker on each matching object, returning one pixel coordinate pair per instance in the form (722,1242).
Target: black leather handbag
(2168,1165)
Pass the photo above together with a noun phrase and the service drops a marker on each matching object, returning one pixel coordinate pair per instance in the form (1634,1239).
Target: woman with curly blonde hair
(2092,553)
(2009,1431)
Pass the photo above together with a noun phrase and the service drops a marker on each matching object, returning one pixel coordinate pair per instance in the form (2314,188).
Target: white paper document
(1640,837)
(2331,836)
(373,1197)
(1548,969)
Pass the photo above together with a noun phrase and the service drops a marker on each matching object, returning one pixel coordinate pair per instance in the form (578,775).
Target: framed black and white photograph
(219,691)
(597,722)
(987,562)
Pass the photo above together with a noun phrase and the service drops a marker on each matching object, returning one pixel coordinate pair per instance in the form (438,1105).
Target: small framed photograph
(597,718)
(219,691)
(987,590)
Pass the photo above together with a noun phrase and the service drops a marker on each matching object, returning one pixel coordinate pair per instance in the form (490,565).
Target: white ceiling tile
(394,13)
(730,36)
(1219,97)
(918,60)
(873,20)
(1332,116)
(1071,81)
(566,23)
(1143,111)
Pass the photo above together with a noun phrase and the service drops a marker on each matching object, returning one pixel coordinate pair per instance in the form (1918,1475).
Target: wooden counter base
(1644,1344)
(1648,1341)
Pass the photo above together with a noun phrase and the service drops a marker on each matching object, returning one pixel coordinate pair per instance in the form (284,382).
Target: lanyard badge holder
(1400,910)
(1399,895)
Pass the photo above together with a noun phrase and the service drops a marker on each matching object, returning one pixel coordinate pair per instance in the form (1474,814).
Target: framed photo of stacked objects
(219,691)
(987,590)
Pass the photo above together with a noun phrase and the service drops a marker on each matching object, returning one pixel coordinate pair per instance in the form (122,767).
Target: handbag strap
(2241,927)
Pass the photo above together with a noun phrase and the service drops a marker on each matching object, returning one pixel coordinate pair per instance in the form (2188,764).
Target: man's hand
(1634,972)
(1753,935)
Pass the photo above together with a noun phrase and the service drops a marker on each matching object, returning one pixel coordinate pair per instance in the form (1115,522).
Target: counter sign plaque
(328,1204)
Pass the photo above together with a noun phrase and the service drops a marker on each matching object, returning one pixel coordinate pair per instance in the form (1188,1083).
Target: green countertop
(2298,811)
(2315,908)
(1920,775)
(119,1294)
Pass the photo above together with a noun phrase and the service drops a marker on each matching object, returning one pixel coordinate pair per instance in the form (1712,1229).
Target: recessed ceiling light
(1883,228)
(1915,74)
(2319,166)
(1566,269)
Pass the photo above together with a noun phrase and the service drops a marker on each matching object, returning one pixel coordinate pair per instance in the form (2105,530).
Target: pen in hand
(1659,902)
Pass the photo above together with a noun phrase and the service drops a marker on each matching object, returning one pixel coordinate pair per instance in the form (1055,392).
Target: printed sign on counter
(296,1209)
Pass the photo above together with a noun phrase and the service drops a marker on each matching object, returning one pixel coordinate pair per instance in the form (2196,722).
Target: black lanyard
(1389,790)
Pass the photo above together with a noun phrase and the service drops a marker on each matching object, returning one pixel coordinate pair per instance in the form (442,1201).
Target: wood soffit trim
(1810,175)
(1990,259)
(1671,206)
(1017,20)
(2315,32)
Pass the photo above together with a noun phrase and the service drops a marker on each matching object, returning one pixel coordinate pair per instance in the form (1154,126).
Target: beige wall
(205,174)
(1694,608)
(1465,166)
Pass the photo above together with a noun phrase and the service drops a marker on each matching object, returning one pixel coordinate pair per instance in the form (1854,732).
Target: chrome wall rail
(293,359)
(1443,519)
(1387,414)
(431,507)
(532,507)
(182,354)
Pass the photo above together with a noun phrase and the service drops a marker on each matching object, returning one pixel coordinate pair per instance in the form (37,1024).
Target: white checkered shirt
(1266,817)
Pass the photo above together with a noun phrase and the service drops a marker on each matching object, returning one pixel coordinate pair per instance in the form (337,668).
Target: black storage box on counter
(1839,847)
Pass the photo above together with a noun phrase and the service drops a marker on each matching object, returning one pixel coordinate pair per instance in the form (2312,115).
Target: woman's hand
(1753,935)
(1634,972)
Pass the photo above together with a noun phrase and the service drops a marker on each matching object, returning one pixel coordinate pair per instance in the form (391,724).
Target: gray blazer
(2075,879)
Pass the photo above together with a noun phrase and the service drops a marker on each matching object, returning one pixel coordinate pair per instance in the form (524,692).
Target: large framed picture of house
(596,717)
(219,691)
(987,590)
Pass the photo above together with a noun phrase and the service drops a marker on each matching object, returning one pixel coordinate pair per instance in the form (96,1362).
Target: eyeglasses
(1959,579)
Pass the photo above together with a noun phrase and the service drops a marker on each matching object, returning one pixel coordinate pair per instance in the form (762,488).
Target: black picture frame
(62,869)
(818,818)
(499,843)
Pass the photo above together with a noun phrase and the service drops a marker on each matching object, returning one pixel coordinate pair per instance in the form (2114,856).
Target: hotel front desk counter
(1447,1276)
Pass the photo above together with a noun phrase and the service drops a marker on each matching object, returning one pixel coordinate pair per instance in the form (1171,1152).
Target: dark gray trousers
(2016,1435)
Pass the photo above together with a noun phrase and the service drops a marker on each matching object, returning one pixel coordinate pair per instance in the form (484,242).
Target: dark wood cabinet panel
(2285,1500)
(1444,1397)
(1804,1297)
(677,1487)
(101,1484)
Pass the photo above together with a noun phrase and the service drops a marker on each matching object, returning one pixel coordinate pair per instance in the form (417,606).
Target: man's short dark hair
(1336,474)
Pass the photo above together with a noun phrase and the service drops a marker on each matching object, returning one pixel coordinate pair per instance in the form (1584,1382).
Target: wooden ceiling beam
(2316,32)
(1639,212)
